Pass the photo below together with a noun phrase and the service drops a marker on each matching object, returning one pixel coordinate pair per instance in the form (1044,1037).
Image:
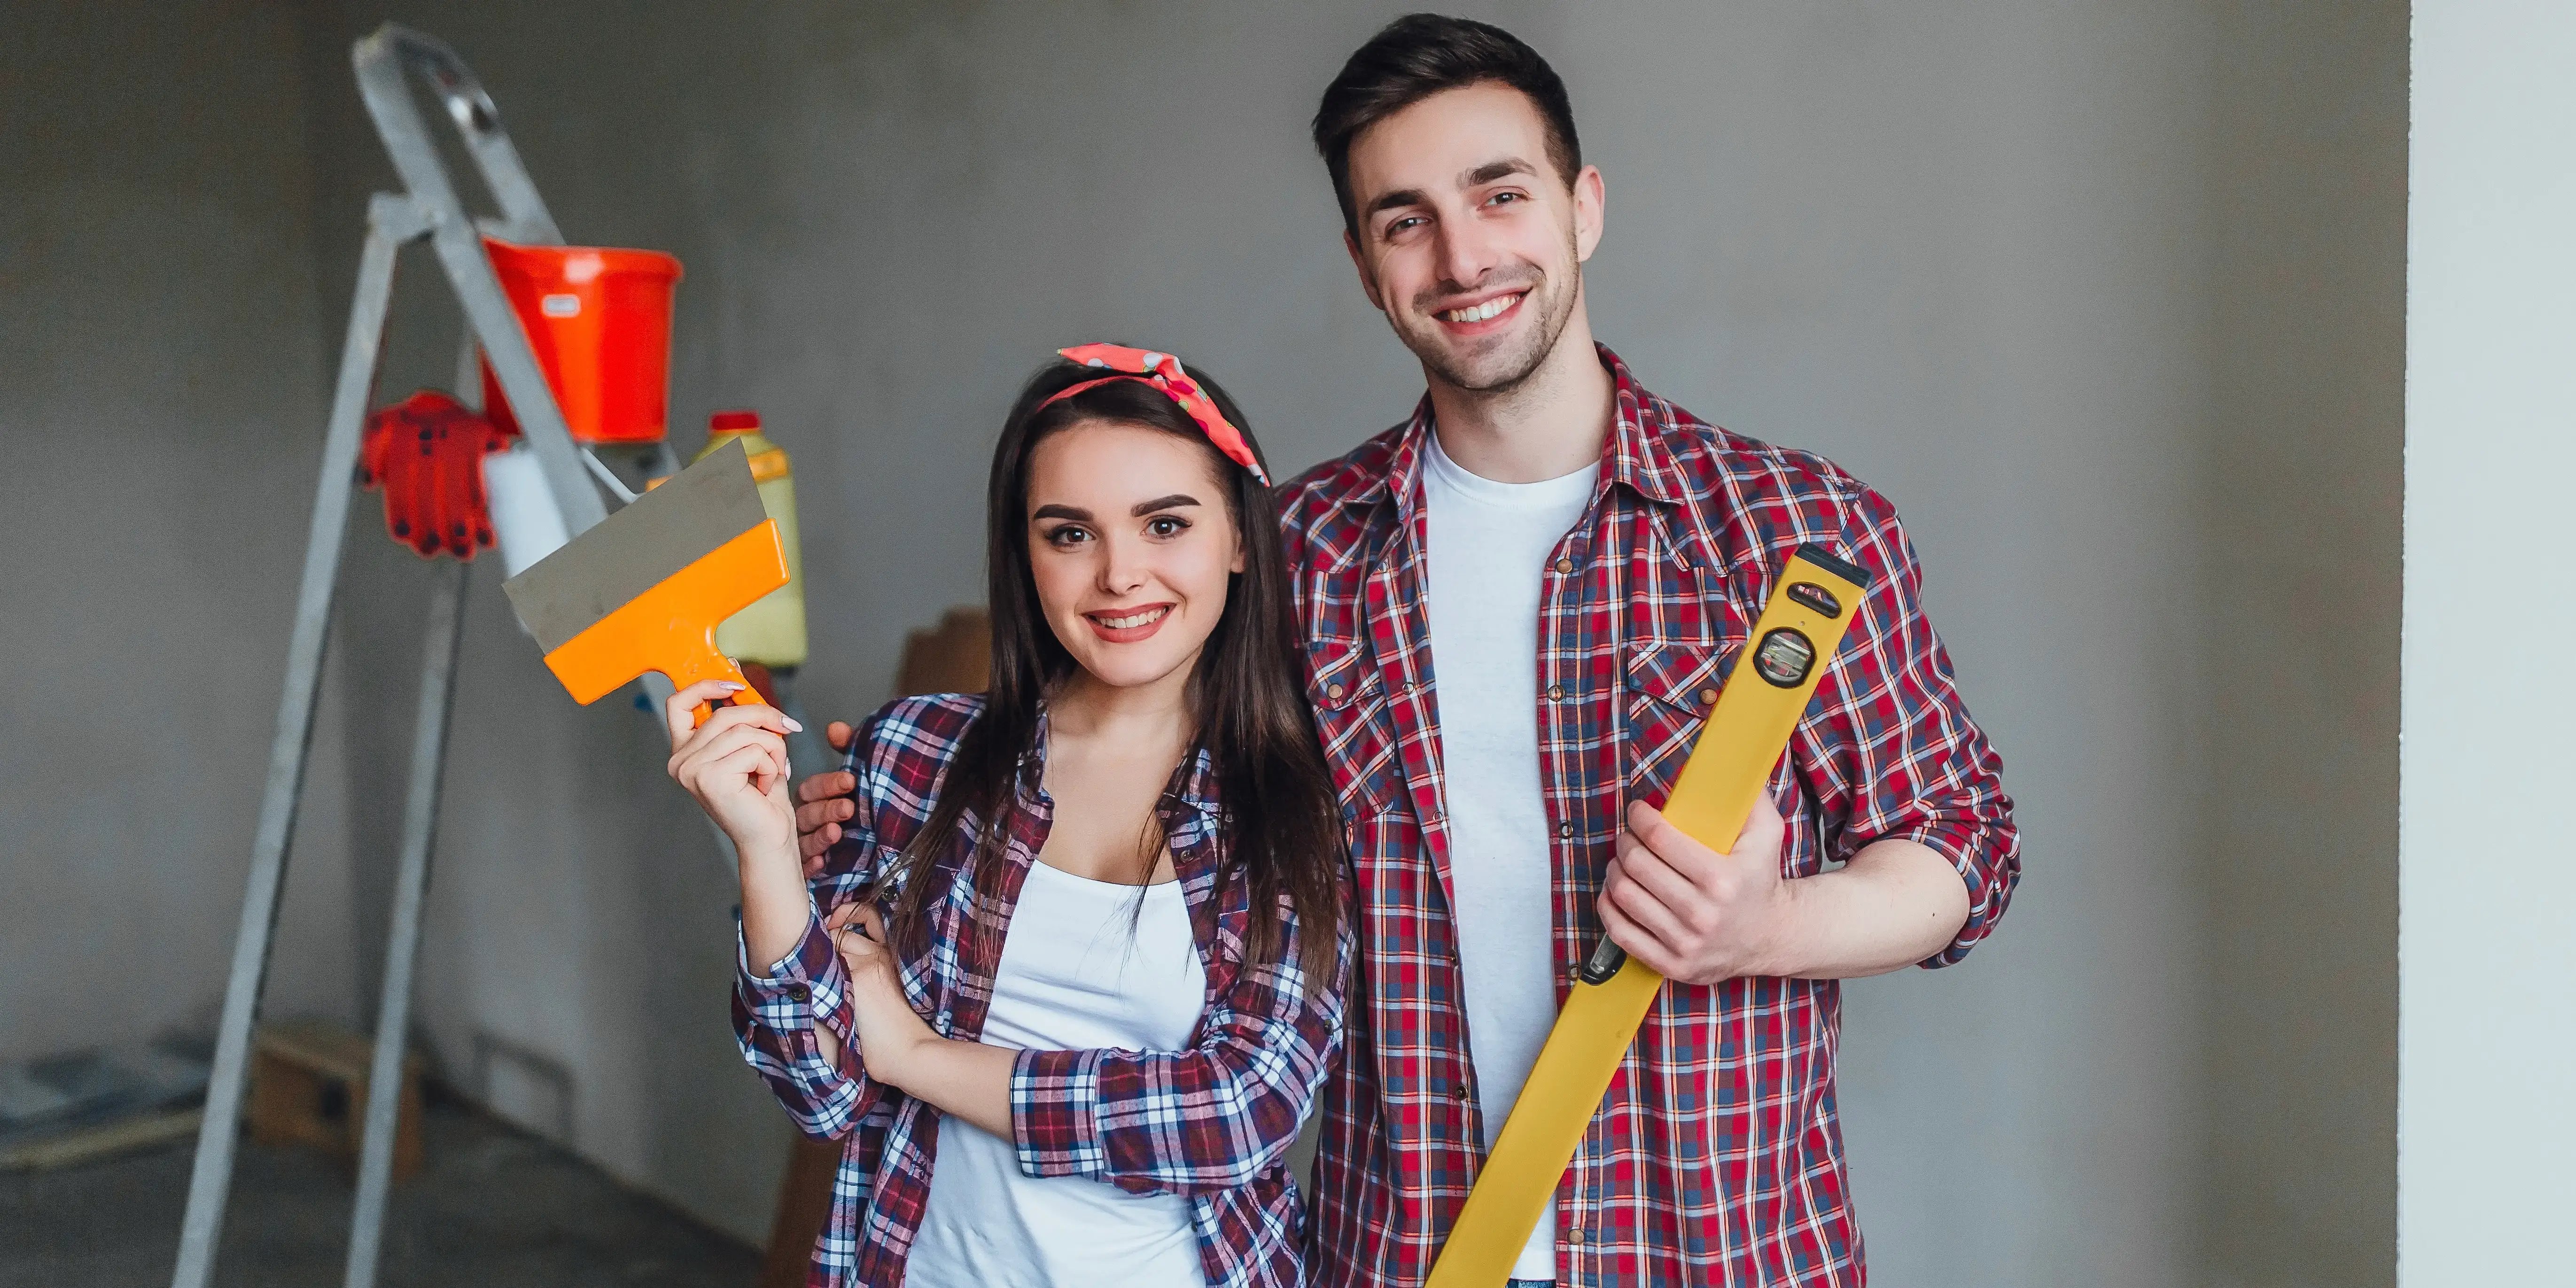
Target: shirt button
(1565,565)
(1565,830)
(1707,697)
(1574,1234)
(1458,1091)
(1556,693)
(798,992)
(1333,691)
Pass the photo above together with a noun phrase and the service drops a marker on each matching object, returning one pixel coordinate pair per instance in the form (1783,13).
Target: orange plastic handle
(742,697)
(672,627)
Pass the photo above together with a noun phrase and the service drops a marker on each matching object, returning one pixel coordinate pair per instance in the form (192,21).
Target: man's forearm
(1896,903)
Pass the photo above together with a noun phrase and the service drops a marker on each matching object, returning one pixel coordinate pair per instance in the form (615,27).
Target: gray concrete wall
(2303,468)
(161,403)
(2103,297)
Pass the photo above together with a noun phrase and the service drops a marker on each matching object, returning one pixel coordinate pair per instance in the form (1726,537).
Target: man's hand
(824,803)
(1690,912)
(1702,917)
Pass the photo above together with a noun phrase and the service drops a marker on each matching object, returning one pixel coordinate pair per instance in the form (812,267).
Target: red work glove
(425,454)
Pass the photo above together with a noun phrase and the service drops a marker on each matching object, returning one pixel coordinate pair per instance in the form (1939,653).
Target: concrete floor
(493,1206)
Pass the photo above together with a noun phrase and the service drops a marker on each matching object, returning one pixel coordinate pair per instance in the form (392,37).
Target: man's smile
(1473,318)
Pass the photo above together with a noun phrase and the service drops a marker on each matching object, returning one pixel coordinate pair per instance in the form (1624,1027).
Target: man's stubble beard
(1501,373)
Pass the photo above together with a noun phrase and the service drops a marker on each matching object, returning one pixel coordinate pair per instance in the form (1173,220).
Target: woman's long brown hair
(1282,831)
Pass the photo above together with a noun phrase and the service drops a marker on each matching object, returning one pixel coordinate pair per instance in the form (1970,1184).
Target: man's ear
(1368,276)
(1591,205)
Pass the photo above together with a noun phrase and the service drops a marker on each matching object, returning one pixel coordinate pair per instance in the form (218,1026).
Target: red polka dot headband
(1163,371)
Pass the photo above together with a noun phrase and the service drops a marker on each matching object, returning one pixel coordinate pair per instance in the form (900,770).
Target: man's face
(1469,240)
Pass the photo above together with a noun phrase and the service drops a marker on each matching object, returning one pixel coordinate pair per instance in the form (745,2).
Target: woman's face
(1131,545)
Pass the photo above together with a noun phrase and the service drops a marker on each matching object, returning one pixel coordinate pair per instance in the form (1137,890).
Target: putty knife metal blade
(637,548)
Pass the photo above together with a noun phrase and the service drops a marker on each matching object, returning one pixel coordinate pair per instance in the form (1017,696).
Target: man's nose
(1467,252)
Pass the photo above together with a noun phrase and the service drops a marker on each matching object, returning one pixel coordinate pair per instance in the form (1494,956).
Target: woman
(1070,978)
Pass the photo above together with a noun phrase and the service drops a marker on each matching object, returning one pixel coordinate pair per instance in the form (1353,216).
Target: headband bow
(1163,371)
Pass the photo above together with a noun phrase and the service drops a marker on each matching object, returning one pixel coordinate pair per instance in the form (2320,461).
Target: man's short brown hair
(1422,54)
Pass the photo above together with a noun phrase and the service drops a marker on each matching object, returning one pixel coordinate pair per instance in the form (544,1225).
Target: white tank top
(1072,977)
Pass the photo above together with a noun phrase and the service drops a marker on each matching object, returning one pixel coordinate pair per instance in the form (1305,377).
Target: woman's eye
(1166,526)
(1067,535)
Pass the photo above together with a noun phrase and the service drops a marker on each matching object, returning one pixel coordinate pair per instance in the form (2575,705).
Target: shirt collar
(1636,454)
(1640,453)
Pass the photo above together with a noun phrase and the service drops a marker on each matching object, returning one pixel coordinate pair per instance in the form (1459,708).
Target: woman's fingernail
(790,722)
(729,686)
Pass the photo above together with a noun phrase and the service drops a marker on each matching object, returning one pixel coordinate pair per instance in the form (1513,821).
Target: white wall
(2488,1037)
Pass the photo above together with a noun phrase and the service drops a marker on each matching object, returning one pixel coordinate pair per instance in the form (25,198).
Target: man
(1518,606)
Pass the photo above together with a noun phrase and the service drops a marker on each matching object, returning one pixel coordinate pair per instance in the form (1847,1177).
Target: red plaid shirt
(1212,1123)
(1715,1158)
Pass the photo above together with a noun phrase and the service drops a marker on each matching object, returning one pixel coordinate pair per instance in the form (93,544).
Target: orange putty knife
(644,589)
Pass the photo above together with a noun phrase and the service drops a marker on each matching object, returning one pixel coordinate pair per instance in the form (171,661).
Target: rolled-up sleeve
(1897,754)
(776,1011)
(1189,1122)
(777,1006)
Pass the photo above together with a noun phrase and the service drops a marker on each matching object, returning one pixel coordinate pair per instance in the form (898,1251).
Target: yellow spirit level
(1811,604)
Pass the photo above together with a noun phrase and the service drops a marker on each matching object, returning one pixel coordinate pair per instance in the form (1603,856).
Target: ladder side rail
(391,221)
(460,244)
(402,947)
(381,59)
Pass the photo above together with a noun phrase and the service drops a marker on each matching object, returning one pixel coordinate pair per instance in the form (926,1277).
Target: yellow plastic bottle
(772,631)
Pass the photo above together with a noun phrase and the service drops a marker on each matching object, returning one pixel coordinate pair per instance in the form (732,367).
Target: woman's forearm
(774,901)
(968,1079)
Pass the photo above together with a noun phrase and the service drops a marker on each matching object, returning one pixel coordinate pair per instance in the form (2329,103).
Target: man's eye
(1501,197)
(1403,225)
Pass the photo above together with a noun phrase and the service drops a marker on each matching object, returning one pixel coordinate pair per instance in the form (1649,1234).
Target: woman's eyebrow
(1073,512)
(1173,502)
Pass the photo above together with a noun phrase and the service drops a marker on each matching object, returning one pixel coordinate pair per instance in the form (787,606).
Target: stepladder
(429,212)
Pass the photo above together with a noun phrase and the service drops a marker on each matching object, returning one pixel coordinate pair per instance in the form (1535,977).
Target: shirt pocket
(1351,714)
(1671,687)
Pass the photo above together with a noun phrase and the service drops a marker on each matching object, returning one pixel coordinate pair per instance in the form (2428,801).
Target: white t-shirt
(1072,978)
(1490,544)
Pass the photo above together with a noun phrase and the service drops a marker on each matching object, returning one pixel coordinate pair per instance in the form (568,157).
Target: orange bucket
(600,321)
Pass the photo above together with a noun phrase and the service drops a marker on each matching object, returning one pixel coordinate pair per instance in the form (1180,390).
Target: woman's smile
(1128,625)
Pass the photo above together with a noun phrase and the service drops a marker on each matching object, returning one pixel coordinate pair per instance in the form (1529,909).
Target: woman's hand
(887,1031)
(735,765)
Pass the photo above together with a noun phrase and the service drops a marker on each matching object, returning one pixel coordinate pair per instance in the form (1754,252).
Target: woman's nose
(1122,565)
